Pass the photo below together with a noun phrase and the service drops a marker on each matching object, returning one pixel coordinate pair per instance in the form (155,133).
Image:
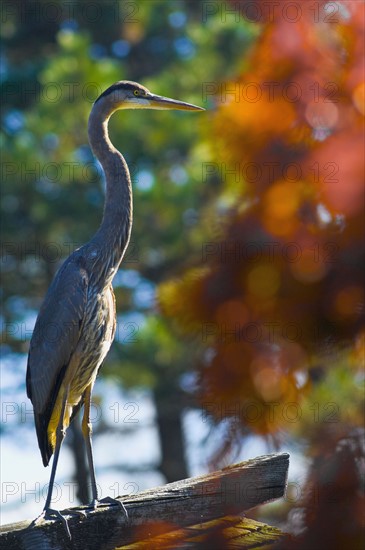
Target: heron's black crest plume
(122,85)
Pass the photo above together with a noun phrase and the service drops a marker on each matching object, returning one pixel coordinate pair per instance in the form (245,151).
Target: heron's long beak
(164,103)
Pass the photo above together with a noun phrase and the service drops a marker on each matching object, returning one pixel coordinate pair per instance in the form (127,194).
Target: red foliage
(285,281)
(286,275)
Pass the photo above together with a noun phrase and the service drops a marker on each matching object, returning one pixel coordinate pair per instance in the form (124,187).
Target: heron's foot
(113,502)
(51,514)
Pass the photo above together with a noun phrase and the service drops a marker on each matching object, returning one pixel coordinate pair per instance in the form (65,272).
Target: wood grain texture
(190,502)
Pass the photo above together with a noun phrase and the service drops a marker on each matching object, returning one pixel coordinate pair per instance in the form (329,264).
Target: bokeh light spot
(232,312)
(263,281)
(349,302)
(308,268)
(358,97)
(281,204)
(322,115)
(268,378)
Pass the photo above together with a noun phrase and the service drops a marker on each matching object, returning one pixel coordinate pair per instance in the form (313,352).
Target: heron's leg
(87,431)
(48,512)
(60,435)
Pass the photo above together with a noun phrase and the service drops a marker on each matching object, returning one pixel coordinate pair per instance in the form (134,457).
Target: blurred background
(241,299)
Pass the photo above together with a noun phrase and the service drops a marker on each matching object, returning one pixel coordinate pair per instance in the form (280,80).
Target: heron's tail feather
(44,443)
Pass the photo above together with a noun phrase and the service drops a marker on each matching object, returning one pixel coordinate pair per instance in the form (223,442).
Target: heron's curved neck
(114,232)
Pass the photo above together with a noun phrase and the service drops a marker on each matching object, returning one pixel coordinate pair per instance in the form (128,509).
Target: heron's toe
(49,514)
(114,502)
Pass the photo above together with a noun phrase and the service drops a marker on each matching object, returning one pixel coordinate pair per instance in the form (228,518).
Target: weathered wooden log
(192,501)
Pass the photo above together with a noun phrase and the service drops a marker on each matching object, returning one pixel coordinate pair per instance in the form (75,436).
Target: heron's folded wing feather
(56,332)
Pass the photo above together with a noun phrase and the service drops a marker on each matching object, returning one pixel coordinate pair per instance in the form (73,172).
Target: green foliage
(335,403)
(53,190)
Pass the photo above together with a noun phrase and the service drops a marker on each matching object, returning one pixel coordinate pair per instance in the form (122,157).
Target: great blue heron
(76,323)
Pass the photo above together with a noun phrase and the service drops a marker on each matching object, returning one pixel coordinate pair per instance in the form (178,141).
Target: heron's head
(131,95)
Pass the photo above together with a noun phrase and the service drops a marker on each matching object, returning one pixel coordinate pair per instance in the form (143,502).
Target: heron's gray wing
(56,333)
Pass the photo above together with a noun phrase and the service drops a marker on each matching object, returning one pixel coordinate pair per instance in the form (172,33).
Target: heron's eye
(136,92)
